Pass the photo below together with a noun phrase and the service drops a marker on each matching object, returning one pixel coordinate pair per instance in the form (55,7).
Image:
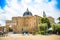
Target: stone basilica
(27,23)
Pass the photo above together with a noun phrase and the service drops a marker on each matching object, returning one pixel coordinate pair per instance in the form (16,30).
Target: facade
(2,28)
(27,23)
(51,19)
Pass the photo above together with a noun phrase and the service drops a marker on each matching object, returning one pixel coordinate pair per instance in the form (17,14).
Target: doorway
(24,31)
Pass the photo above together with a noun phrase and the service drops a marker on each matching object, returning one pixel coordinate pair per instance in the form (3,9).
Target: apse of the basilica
(27,23)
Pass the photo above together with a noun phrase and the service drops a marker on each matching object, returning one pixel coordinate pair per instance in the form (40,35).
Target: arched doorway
(24,30)
(10,28)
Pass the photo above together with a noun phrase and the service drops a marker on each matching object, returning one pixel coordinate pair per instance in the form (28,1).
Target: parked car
(1,32)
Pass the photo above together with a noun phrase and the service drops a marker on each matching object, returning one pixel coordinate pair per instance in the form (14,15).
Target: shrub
(56,27)
(10,29)
(43,28)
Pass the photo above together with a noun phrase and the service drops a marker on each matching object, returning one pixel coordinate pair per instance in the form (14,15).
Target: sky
(14,8)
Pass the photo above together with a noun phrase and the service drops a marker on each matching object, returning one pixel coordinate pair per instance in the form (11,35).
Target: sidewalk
(30,37)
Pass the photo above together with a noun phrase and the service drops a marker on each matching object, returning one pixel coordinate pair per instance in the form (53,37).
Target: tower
(44,15)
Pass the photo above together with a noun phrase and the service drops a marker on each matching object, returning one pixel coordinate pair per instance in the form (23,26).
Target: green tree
(10,29)
(59,19)
(45,20)
(56,27)
(43,28)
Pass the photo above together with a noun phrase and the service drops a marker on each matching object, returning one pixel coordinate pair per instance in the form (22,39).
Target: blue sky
(11,8)
(58,4)
(2,3)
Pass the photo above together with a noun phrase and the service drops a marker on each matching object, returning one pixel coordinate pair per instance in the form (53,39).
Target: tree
(59,19)
(10,29)
(45,20)
(56,28)
(43,28)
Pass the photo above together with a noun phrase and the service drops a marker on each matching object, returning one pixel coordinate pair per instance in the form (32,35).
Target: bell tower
(44,15)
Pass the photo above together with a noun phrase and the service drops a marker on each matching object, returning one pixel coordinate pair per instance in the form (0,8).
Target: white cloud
(38,1)
(13,8)
(26,1)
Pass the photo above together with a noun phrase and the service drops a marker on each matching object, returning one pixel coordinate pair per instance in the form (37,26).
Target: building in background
(27,23)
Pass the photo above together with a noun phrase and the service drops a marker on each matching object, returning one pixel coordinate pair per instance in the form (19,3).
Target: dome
(27,13)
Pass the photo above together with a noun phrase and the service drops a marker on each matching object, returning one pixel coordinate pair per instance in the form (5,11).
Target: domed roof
(27,13)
